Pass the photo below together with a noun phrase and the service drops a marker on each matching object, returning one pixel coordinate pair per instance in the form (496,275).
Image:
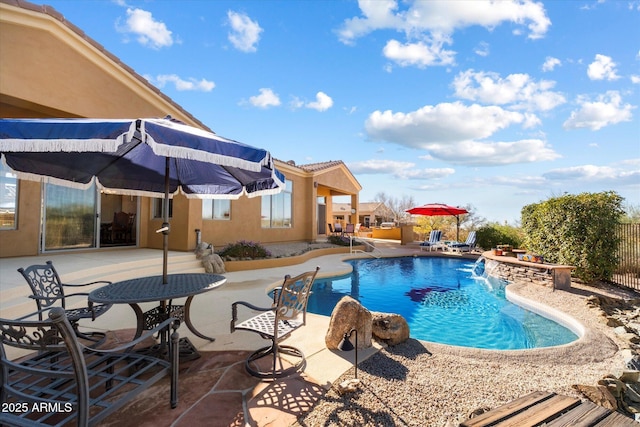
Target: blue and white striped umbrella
(129,157)
(142,157)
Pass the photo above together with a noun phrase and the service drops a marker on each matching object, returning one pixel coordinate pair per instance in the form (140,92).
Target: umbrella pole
(165,224)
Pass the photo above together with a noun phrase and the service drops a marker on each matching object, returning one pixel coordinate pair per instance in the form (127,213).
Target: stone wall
(519,273)
(552,275)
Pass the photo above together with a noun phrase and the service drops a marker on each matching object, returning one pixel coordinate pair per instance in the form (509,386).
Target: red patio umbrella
(439,209)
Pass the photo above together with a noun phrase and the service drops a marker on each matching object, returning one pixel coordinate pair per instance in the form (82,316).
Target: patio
(412,384)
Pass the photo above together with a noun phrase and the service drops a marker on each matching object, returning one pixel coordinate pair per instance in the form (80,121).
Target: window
(8,198)
(216,209)
(157,208)
(276,209)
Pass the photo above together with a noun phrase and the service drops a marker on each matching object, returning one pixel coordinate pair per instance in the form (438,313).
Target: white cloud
(201,85)
(419,54)
(606,110)
(245,33)
(401,170)
(429,25)
(322,103)
(602,68)
(635,79)
(149,32)
(591,173)
(480,153)
(445,122)
(550,63)
(517,90)
(266,99)
(482,49)
(451,132)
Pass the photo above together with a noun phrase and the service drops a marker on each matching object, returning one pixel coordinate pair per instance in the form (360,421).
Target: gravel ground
(425,384)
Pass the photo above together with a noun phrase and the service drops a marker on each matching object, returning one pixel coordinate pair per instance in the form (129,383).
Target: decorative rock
(203,249)
(348,314)
(392,329)
(213,264)
(211,261)
(599,395)
(348,386)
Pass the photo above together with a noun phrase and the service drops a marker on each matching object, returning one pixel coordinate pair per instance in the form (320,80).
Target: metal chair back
(292,297)
(45,284)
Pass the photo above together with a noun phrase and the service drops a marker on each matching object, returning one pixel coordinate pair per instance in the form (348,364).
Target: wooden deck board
(491,417)
(549,410)
(544,411)
(616,419)
(587,414)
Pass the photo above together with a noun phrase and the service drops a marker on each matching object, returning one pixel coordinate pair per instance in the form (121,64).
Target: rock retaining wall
(511,269)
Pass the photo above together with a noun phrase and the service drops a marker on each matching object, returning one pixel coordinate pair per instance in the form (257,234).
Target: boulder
(599,395)
(213,264)
(203,249)
(346,315)
(390,328)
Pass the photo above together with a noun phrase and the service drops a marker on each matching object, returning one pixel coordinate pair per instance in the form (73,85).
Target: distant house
(50,68)
(369,214)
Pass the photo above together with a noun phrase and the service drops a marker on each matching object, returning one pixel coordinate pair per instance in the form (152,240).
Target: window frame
(6,178)
(226,216)
(283,202)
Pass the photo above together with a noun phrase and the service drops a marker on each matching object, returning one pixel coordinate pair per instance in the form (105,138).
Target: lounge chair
(467,246)
(276,323)
(434,242)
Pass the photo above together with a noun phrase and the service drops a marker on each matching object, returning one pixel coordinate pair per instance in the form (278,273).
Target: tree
(396,207)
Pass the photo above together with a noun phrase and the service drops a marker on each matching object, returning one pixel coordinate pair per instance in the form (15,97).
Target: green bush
(494,234)
(243,249)
(577,230)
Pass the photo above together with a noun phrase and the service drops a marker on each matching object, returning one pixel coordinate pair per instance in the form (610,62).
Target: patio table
(151,289)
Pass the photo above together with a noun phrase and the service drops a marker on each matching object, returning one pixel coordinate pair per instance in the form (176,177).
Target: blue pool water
(443,301)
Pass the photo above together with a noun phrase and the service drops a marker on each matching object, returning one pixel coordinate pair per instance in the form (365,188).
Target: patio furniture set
(434,243)
(54,373)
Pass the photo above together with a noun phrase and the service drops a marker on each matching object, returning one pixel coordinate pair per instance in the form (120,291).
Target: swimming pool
(442,301)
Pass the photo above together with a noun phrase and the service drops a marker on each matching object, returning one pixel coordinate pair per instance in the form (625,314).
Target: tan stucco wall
(48,68)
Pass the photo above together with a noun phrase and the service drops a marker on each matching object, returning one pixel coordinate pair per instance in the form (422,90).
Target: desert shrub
(243,249)
(577,230)
(494,234)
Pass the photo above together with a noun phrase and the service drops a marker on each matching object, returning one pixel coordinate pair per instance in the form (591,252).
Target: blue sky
(497,105)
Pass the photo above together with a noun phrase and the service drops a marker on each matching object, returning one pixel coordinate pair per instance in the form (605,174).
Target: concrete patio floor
(230,391)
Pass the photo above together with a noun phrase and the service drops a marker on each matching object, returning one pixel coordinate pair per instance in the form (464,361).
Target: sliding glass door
(81,219)
(69,218)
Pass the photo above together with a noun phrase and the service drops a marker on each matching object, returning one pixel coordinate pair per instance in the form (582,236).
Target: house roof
(51,12)
(364,208)
(314,167)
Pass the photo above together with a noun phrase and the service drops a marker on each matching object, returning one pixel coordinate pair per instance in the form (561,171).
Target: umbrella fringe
(62,145)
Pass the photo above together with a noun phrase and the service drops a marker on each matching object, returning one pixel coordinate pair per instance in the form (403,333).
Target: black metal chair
(276,323)
(62,382)
(48,291)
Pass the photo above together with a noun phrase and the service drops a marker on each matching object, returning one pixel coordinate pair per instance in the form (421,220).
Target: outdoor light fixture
(347,345)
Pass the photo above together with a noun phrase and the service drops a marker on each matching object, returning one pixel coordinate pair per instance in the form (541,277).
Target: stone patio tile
(217,409)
